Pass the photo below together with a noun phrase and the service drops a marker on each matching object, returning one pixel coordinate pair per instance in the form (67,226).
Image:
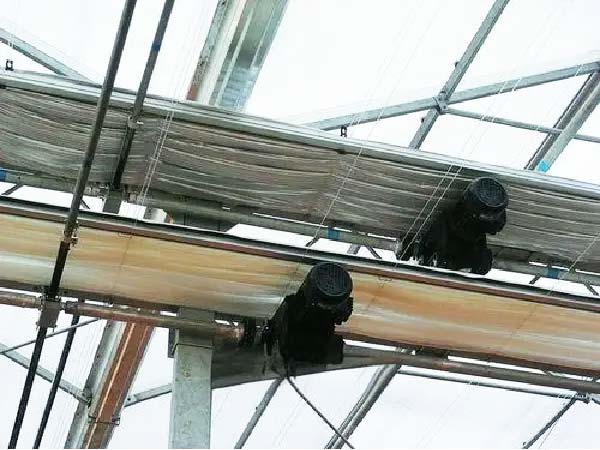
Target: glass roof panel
(355,54)
(532,37)
(540,105)
(290,423)
(145,425)
(592,124)
(480,141)
(573,430)
(422,413)
(82,37)
(578,161)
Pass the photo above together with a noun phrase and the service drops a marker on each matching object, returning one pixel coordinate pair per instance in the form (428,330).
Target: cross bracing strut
(458,97)
(165,389)
(517,124)
(39,56)
(43,373)
(258,412)
(380,380)
(459,70)
(550,423)
(578,111)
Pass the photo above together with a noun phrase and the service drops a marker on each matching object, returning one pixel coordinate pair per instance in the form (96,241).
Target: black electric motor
(456,238)
(304,325)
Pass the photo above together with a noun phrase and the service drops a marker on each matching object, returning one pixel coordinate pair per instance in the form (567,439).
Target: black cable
(35,359)
(56,381)
(319,413)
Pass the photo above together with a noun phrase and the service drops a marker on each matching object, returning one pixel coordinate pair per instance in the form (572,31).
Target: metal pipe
(227,332)
(479,370)
(71,221)
(565,118)
(44,374)
(551,272)
(20,299)
(33,365)
(126,146)
(132,122)
(12,190)
(516,124)
(258,412)
(62,362)
(45,182)
(30,51)
(202,209)
(588,105)
(378,383)
(88,157)
(518,389)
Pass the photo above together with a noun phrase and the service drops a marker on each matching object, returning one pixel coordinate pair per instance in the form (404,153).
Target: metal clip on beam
(49,312)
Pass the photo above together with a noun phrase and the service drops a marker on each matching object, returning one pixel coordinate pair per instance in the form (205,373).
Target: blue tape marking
(553,272)
(543,166)
(333,234)
(2,174)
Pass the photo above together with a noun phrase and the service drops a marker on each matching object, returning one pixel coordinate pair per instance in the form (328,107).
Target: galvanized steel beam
(572,118)
(517,124)
(424,104)
(38,56)
(258,412)
(380,380)
(234,51)
(117,360)
(550,423)
(189,425)
(42,372)
(459,70)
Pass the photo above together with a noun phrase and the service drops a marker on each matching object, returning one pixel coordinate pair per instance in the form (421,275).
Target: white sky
(329,58)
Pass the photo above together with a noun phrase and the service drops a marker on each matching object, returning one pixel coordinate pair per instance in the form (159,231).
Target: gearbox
(457,238)
(303,328)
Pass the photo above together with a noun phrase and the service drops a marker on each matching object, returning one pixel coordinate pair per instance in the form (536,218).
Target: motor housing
(303,327)
(456,238)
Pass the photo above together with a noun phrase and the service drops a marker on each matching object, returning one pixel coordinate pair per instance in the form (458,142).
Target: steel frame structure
(224,78)
(38,56)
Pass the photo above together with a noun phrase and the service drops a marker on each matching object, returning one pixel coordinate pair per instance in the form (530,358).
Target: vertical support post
(189,425)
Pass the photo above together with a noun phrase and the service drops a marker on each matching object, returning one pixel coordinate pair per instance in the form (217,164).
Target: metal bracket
(49,312)
(591,288)
(74,238)
(441,104)
(171,344)
(9,65)
(133,124)
(344,131)
(114,421)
